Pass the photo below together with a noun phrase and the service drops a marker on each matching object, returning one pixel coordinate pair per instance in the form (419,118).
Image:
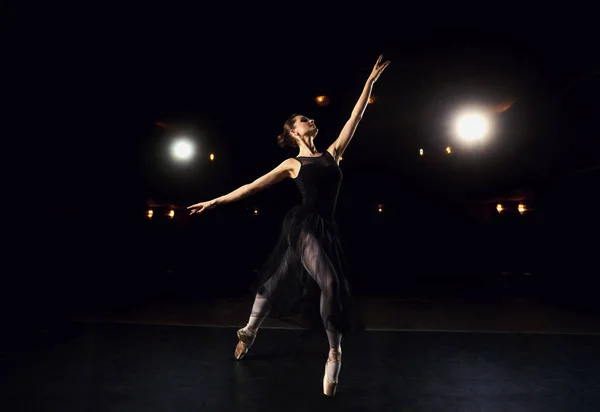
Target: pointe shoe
(329,384)
(245,341)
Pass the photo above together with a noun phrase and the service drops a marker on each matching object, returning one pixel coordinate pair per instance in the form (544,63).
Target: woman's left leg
(318,265)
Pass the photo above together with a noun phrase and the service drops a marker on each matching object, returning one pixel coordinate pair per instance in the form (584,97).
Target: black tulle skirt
(306,272)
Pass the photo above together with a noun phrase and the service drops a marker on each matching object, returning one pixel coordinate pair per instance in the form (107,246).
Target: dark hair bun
(281,140)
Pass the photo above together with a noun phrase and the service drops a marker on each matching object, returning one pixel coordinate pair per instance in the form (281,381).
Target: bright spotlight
(472,126)
(182,149)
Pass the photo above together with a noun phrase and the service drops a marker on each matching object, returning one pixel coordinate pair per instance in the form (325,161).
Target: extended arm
(274,176)
(339,146)
(284,170)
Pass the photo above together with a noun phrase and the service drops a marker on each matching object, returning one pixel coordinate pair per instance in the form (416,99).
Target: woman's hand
(201,207)
(378,69)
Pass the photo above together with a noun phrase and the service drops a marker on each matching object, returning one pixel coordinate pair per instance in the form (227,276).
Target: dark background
(120,86)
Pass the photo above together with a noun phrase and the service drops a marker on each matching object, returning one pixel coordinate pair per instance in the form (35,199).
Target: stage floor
(134,367)
(411,356)
(375,313)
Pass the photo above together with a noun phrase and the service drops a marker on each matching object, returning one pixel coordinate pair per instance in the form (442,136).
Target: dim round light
(322,100)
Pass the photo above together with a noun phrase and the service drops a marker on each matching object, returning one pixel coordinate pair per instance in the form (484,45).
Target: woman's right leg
(261,306)
(246,335)
(260,310)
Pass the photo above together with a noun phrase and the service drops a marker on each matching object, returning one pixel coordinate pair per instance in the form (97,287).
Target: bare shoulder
(291,166)
(331,150)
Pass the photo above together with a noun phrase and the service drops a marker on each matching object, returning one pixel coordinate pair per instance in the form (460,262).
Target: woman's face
(305,126)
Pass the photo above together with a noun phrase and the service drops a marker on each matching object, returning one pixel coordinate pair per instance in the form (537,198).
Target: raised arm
(284,170)
(338,147)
